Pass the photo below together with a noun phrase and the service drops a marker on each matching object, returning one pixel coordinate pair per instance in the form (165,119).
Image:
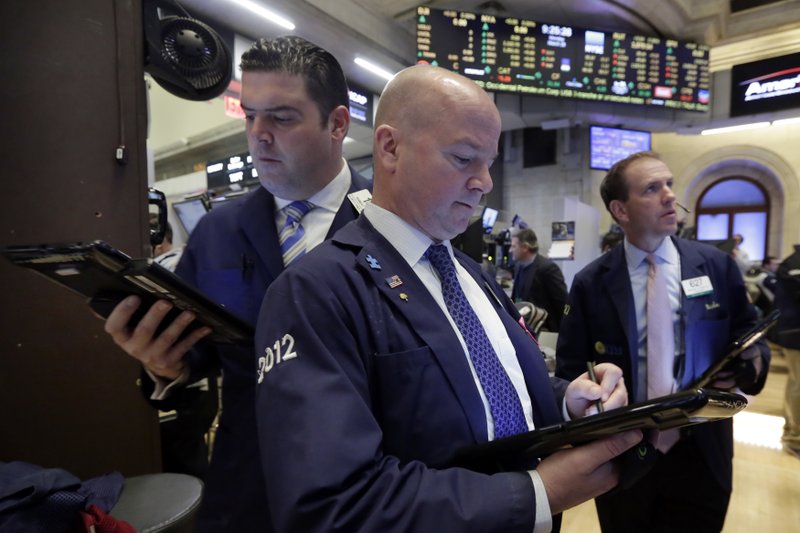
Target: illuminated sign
(233,107)
(361,106)
(236,170)
(524,56)
(609,145)
(765,86)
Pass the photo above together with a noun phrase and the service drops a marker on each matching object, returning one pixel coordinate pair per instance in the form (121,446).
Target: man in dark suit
(295,100)
(537,279)
(787,299)
(663,339)
(381,375)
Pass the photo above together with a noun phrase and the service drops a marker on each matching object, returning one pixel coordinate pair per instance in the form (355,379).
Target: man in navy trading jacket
(295,100)
(663,309)
(379,356)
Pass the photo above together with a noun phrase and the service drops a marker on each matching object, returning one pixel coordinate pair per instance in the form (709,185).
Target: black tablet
(675,410)
(106,276)
(745,341)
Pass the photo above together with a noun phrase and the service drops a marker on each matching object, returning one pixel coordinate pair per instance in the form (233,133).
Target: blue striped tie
(504,402)
(292,235)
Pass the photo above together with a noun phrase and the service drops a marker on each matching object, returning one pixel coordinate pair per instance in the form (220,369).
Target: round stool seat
(160,503)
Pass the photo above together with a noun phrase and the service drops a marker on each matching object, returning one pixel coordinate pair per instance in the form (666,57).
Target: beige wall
(175,121)
(770,156)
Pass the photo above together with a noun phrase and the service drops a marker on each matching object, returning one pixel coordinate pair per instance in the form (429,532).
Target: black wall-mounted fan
(185,56)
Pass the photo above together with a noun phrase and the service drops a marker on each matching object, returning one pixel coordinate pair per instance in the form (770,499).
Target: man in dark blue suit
(705,306)
(537,279)
(295,100)
(375,373)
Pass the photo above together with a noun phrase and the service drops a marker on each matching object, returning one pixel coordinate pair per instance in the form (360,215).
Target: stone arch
(758,164)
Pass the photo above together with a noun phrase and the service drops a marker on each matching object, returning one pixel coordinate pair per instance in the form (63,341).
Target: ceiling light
(375,69)
(740,127)
(266,13)
(785,121)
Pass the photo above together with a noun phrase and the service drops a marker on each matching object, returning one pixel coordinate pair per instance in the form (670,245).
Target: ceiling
(383,31)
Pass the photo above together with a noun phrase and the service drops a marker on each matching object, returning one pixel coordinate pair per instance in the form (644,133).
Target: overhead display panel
(523,56)
(765,86)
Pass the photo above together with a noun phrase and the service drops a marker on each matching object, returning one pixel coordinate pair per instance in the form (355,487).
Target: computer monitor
(489,218)
(609,145)
(189,213)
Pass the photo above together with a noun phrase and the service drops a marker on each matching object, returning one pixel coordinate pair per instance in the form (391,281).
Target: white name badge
(698,286)
(359,199)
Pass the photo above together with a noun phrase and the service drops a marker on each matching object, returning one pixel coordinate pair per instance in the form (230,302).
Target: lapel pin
(394,281)
(599,347)
(404,296)
(373,263)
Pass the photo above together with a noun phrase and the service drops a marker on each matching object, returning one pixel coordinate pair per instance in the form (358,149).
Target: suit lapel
(617,284)
(256,215)
(423,314)
(692,266)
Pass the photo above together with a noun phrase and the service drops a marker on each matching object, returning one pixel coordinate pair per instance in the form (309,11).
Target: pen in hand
(593,377)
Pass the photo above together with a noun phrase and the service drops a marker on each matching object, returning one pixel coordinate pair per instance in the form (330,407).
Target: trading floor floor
(766,480)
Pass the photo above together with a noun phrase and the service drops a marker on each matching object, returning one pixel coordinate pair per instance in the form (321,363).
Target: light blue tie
(504,403)
(292,235)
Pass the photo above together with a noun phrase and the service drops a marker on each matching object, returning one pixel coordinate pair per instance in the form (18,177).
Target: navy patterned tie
(292,235)
(504,403)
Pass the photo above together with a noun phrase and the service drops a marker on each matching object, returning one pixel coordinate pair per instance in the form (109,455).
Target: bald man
(363,366)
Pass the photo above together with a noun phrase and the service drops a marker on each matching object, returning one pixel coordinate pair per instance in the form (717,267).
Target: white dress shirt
(317,222)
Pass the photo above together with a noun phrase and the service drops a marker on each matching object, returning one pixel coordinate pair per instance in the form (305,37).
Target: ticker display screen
(609,145)
(523,56)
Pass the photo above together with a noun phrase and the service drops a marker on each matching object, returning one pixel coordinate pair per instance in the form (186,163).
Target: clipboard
(106,276)
(680,409)
(749,338)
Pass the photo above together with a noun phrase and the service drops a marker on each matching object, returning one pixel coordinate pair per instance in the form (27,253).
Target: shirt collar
(410,242)
(666,253)
(526,262)
(331,196)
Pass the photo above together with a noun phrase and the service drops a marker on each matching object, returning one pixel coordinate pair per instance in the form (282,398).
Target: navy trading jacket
(363,384)
(232,256)
(600,325)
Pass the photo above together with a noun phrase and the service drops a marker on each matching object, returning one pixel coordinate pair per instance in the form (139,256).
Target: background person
(740,255)
(537,279)
(787,299)
(164,253)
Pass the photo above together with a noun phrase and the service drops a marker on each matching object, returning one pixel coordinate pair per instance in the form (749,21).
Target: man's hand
(726,379)
(582,393)
(573,476)
(163,355)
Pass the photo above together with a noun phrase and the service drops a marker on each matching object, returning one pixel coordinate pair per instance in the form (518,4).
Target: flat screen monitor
(609,145)
(189,213)
(489,218)
(228,197)
(511,54)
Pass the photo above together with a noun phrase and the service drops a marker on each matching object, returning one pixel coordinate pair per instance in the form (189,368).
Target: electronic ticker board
(523,56)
